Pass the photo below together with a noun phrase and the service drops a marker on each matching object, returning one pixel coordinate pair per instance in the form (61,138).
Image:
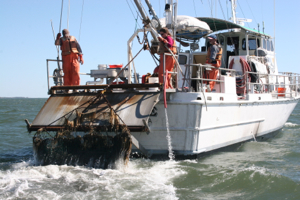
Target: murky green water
(254,170)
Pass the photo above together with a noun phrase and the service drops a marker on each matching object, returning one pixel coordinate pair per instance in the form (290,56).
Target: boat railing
(166,73)
(57,74)
(280,85)
(200,78)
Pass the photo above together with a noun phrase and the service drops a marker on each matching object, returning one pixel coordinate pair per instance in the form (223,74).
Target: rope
(230,37)
(62,5)
(241,84)
(243,12)
(54,39)
(133,14)
(81,20)
(251,11)
(195,8)
(144,37)
(226,9)
(68,14)
(211,12)
(135,76)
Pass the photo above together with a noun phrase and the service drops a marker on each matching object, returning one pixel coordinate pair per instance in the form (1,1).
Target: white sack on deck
(185,23)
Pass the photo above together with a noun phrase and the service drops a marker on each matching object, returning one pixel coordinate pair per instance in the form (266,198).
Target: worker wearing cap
(71,56)
(214,56)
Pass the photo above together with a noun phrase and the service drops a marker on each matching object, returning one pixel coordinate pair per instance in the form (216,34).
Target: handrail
(200,75)
(164,66)
(58,76)
(48,77)
(292,86)
(287,80)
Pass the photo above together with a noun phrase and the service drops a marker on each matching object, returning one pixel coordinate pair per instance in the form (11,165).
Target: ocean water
(253,170)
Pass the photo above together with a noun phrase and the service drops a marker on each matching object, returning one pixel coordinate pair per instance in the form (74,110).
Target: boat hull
(197,126)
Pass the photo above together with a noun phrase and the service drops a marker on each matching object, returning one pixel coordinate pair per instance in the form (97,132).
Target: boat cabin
(237,41)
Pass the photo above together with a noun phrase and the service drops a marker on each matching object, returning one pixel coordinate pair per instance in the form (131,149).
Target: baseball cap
(213,36)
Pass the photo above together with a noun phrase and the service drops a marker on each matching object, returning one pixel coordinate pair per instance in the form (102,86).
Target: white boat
(244,105)
(201,121)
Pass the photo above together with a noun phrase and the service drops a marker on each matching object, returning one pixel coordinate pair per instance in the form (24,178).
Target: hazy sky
(27,39)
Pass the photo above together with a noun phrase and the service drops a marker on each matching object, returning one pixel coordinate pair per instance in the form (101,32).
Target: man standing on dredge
(71,56)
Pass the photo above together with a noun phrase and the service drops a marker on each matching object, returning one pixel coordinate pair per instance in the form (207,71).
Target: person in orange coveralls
(214,56)
(170,61)
(71,56)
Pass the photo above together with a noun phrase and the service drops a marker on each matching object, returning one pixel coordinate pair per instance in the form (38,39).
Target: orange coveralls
(213,73)
(69,51)
(71,69)
(170,61)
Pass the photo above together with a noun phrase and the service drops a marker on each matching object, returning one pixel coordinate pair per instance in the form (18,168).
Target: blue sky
(27,39)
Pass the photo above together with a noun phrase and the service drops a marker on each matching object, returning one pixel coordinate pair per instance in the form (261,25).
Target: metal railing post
(220,82)
(247,83)
(297,85)
(164,73)
(276,86)
(48,75)
(284,86)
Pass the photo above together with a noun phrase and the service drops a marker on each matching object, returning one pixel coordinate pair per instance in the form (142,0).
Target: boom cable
(68,14)
(133,15)
(81,20)
(62,5)
(195,8)
(251,12)
(211,10)
(243,13)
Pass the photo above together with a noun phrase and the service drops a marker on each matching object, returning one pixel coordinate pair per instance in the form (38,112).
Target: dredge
(92,127)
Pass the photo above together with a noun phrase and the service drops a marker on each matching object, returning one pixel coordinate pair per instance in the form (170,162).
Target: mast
(169,11)
(233,9)
(171,15)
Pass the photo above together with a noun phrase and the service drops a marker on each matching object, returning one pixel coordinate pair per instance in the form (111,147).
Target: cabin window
(221,41)
(182,59)
(268,44)
(253,44)
(264,41)
(232,46)
(271,44)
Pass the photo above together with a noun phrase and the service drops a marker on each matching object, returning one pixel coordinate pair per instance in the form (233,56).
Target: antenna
(240,21)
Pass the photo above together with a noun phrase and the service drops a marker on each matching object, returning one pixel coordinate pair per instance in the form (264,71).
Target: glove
(58,36)
(80,59)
